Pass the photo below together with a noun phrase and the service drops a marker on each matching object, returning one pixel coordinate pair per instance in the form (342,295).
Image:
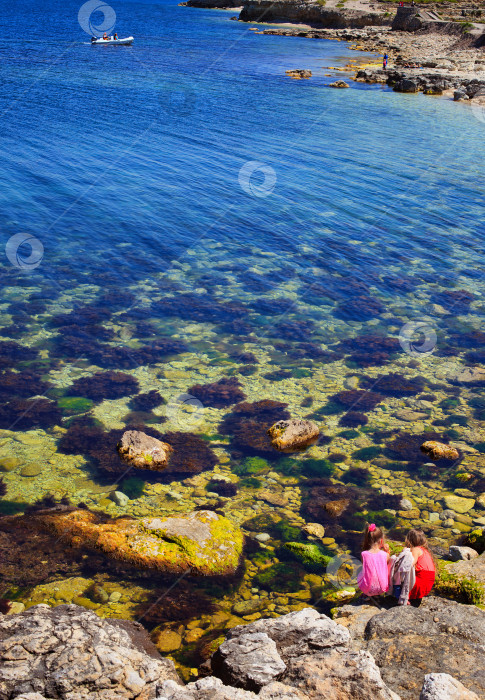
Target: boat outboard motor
(93,39)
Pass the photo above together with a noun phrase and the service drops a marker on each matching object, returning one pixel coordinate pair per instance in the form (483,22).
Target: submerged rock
(438,450)
(144,452)
(68,652)
(201,542)
(294,434)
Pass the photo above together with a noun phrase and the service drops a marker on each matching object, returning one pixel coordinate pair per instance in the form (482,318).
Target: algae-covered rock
(438,450)
(202,542)
(294,434)
(144,452)
(167,640)
(310,555)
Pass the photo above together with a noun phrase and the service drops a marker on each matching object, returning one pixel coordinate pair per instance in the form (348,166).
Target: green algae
(132,487)
(72,405)
(280,577)
(317,467)
(367,453)
(250,466)
(311,555)
(459,588)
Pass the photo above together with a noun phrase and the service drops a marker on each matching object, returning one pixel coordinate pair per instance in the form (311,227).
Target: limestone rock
(439,636)
(442,686)
(298,73)
(309,658)
(250,660)
(459,504)
(144,452)
(293,434)
(338,675)
(204,689)
(68,652)
(438,450)
(202,542)
(298,633)
(469,568)
(339,84)
(462,553)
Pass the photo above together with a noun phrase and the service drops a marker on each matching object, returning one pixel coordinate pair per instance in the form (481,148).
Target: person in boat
(115,37)
(105,37)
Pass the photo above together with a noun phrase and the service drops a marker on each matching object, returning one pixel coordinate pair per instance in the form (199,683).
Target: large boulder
(201,542)
(442,686)
(70,653)
(294,434)
(309,654)
(440,636)
(143,452)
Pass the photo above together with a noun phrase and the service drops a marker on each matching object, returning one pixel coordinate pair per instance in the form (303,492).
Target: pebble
(120,498)
(263,537)
(30,470)
(115,597)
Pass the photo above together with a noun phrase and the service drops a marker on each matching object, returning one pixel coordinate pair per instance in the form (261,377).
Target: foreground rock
(70,653)
(408,643)
(442,686)
(294,434)
(202,542)
(143,452)
(438,450)
(307,654)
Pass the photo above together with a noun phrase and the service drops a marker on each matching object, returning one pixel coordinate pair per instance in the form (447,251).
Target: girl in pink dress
(374,577)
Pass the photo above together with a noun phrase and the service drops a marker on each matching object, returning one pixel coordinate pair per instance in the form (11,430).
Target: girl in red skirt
(424,566)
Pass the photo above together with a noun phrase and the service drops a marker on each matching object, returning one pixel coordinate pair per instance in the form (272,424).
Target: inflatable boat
(95,41)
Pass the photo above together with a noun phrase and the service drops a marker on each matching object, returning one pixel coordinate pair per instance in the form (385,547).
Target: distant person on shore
(384,62)
(373,578)
(423,564)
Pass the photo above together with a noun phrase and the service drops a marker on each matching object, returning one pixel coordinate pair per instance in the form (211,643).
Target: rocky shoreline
(434,652)
(416,40)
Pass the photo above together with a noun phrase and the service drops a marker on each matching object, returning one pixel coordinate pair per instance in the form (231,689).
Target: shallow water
(134,167)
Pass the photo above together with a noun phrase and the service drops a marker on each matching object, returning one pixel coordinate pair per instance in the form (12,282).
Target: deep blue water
(143,145)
